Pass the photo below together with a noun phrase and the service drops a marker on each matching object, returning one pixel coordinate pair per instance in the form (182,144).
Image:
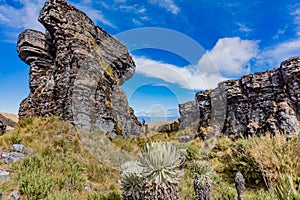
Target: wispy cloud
(22,18)
(14,20)
(280,32)
(169,5)
(272,56)
(243,28)
(296,15)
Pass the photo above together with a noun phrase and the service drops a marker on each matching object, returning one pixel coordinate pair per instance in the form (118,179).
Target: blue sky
(190,45)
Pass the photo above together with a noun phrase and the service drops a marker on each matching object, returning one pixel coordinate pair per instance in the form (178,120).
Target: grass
(66,161)
(61,166)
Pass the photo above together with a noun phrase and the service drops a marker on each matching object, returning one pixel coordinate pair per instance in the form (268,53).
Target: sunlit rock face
(255,104)
(76,70)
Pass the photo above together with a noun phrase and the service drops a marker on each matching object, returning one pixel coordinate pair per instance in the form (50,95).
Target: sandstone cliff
(76,70)
(258,103)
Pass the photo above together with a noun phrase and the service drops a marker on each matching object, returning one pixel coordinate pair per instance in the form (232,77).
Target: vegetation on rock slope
(60,167)
(70,164)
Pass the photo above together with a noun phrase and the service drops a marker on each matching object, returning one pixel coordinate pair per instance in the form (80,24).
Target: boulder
(11,157)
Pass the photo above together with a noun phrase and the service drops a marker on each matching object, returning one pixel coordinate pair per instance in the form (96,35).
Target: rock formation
(76,70)
(257,103)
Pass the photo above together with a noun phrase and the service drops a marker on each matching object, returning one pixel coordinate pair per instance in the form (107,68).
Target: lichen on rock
(76,70)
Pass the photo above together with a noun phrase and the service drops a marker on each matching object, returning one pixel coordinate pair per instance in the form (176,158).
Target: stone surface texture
(255,104)
(76,70)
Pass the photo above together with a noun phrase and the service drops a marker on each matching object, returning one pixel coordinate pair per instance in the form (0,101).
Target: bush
(112,195)
(223,144)
(224,191)
(192,153)
(264,158)
(16,138)
(240,159)
(258,195)
(37,181)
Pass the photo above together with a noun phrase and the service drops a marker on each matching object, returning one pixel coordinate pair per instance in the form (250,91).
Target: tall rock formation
(76,70)
(255,104)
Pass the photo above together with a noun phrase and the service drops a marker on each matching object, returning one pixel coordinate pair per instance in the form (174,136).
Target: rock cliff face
(255,104)
(76,70)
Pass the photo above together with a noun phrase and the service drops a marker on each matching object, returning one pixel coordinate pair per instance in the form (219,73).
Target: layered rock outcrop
(76,70)
(255,104)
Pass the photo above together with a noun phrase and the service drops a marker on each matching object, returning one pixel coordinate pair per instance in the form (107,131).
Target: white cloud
(230,56)
(296,15)
(142,10)
(273,56)
(136,22)
(169,5)
(280,32)
(187,77)
(243,28)
(24,17)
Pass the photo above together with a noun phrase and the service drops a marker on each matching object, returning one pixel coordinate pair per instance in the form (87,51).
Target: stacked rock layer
(257,103)
(76,70)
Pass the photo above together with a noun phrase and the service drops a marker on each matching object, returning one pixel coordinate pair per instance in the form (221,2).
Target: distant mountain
(8,119)
(155,119)
(150,116)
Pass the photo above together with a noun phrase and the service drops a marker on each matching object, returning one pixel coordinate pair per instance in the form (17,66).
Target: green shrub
(192,153)
(224,191)
(36,185)
(16,138)
(260,194)
(112,195)
(223,144)
(37,180)
(25,122)
(241,159)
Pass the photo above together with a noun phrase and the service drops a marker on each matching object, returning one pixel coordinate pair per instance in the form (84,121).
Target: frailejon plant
(161,171)
(132,181)
(202,187)
(240,185)
(202,167)
(202,181)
